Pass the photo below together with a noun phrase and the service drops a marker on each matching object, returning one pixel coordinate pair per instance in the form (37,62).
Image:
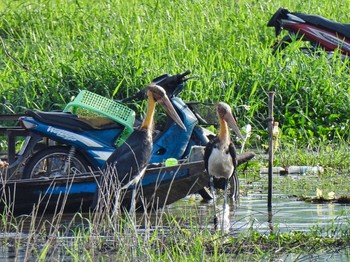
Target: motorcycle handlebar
(171,84)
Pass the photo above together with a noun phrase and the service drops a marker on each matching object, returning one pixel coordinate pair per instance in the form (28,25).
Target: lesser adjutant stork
(220,156)
(129,161)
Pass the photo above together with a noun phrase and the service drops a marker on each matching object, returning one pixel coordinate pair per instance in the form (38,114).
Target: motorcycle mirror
(159,79)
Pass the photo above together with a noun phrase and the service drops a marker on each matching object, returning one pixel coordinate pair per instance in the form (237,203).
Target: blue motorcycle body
(65,144)
(98,144)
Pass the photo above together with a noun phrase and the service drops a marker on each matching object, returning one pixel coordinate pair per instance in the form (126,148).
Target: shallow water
(287,214)
(250,212)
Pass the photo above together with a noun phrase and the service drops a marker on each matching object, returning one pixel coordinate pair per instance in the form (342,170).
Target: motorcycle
(321,33)
(59,144)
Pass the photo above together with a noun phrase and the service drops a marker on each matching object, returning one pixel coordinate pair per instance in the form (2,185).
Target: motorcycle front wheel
(52,162)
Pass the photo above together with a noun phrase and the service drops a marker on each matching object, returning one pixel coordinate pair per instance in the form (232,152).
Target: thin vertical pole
(270,127)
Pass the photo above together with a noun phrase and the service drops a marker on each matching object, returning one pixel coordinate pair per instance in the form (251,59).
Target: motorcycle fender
(30,142)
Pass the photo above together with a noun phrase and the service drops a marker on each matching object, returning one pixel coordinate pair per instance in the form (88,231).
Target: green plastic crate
(89,104)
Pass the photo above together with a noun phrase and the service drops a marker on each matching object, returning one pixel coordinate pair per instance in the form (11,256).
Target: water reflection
(287,214)
(250,212)
(223,218)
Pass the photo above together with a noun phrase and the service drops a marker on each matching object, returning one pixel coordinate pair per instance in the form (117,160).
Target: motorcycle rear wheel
(50,162)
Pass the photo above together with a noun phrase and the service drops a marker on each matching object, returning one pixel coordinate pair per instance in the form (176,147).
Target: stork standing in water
(129,161)
(220,156)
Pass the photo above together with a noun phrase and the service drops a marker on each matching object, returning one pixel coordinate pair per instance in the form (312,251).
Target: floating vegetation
(341,199)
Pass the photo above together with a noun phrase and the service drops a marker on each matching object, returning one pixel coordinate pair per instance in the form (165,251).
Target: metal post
(270,127)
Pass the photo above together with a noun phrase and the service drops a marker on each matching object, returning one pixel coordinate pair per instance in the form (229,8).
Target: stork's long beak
(233,124)
(170,110)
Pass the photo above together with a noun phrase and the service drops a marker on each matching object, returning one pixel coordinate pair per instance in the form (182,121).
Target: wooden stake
(270,128)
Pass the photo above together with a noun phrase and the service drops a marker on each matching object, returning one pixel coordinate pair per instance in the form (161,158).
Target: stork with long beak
(130,160)
(220,156)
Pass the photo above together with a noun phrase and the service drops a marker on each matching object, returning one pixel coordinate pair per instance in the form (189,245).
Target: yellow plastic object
(89,104)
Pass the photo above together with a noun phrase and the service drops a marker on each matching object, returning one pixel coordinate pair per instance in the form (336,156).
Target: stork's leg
(234,186)
(133,201)
(212,193)
(224,207)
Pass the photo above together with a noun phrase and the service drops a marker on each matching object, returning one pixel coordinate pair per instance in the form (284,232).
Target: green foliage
(335,157)
(52,49)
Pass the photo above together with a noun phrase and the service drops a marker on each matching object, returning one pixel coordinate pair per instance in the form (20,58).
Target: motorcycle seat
(68,121)
(343,29)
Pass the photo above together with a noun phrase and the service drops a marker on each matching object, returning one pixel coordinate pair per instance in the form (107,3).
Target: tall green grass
(116,47)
